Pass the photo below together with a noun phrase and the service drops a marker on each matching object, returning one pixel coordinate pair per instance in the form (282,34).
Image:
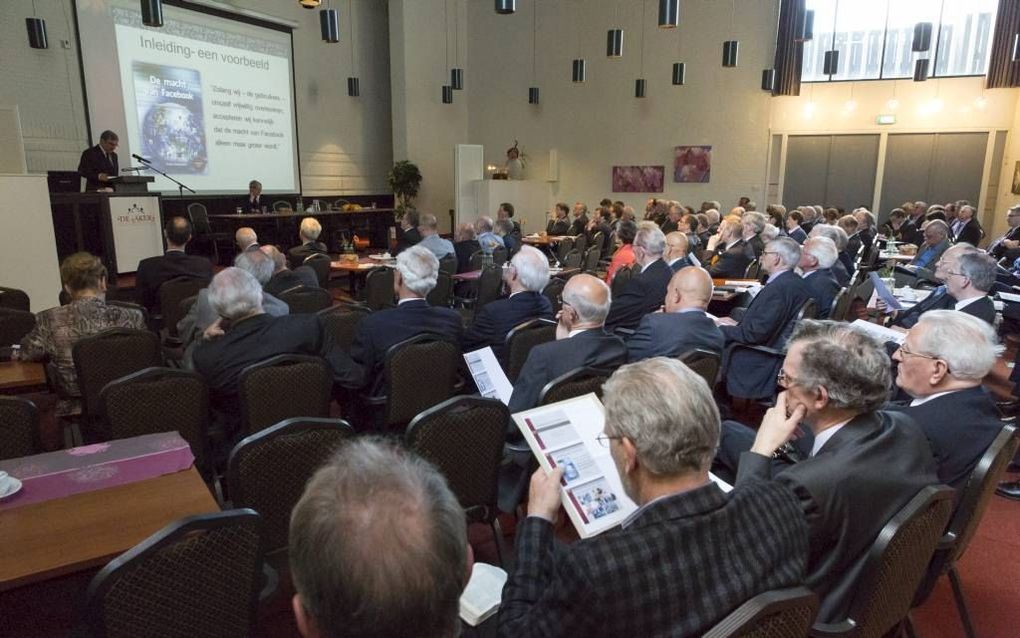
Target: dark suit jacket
(664,334)
(154,271)
(840,274)
(406,239)
(960,426)
(732,263)
(250,205)
(607,236)
(512,243)
(93,162)
(757,245)
(797,234)
(823,288)
(494,320)
(578,225)
(384,328)
(644,293)
(970,233)
(591,348)
(684,563)
(464,250)
(256,339)
(558,227)
(854,244)
(997,249)
(681,263)
(807,226)
(846,260)
(939,299)
(287,279)
(859,480)
(298,254)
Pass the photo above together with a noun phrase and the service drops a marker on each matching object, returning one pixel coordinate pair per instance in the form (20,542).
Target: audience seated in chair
(732,254)
(408,234)
(310,244)
(936,241)
(378,547)
(968,275)
(465,245)
(154,271)
(843,265)
(793,228)
(428,228)
(58,329)
(505,231)
(676,254)
(487,238)
(581,341)
(559,224)
(817,256)
(526,277)
(285,278)
(684,325)
(669,569)
(752,224)
(246,239)
(836,379)
(624,255)
(646,289)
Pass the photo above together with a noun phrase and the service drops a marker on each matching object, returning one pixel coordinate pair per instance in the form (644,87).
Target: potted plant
(405,180)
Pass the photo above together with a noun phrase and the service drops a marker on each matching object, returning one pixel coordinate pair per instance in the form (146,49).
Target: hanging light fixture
(730,51)
(614,43)
(506,7)
(768,79)
(37,33)
(1016,48)
(447,94)
(921,70)
(457,79)
(533,90)
(679,73)
(640,84)
(806,28)
(533,95)
(922,37)
(310,4)
(447,88)
(329,24)
(456,73)
(639,87)
(577,70)
(830,66)
(669,14)
(152,13)
(353,83)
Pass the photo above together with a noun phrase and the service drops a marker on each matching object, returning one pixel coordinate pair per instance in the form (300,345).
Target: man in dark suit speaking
(98,164)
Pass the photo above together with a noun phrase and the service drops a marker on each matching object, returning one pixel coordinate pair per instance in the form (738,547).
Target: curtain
(1003,72)
(789,52)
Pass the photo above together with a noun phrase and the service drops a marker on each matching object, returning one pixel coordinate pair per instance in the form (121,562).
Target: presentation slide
(205,99)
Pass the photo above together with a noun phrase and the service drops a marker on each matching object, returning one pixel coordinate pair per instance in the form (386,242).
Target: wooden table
(373,223)
(887,256)
(65,535)
(544,240)
(21,376)
(357,270)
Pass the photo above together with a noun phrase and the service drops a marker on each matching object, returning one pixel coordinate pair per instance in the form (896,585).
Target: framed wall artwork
(638,179)
(693,164)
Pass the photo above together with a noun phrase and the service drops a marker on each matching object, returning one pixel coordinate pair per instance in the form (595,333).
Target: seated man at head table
(428,227)
(828,425)
(284,278)
(378,547)
(685,324)
(671,568)
(310,244)
(57,330)
(558,224)
(154,271)
(941,364)
(255,201)
(243,334)
(525,276)
(646,289)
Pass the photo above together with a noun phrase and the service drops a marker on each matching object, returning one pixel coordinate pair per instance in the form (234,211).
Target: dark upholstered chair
(418,373)
(268,471)
(552,291)
(894,566)
(572,259)
(341,321)
(443,292)
(159,400)
(448,264)
(199,217)
(591,259)
(19,428)
(521,339)
(198,576)
(620,279)
(970,509)
(306,299)
(490,285)
(573,384)
(321,263)
(781,613)
(476,260)
(171,294)
(705,363)
(284,387)
(463,437)
(14,299)
(499,255)
(14,325)
(112,354)
(379,288)
(564,246)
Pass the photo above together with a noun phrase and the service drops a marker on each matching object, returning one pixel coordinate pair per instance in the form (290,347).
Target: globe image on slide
(174,138)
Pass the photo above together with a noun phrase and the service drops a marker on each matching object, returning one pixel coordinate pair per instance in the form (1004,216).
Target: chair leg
(961,603)
(908,626)
(497,535)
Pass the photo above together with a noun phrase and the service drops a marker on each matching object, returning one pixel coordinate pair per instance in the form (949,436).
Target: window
(874,38)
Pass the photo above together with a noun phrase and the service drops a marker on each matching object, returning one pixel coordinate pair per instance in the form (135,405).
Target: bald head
(279,261)
(676,247)
(589,297)
(689,288)
(245,237)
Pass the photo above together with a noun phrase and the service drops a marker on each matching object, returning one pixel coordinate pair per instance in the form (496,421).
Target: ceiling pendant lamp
(37,33)
(533,95)
(768,79)
(447,94)
(1016,48)
(921,70)
(577,71)
(329,25)
(830,66)
(639,87)
(310,4)
(806,28)
(152,13)
(679,73)
(353,87)
(614,43)
(922,37)
(506,7)
(669,14)
(457,79)
(730,51)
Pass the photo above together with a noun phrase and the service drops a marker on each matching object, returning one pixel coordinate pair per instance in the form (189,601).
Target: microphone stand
(180,187)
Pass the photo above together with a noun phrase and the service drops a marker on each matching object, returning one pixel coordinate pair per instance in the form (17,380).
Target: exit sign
(886,119)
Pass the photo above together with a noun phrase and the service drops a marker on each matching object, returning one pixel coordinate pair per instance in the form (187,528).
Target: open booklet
(881,333)
(491,381)
(482,596)
(565,435)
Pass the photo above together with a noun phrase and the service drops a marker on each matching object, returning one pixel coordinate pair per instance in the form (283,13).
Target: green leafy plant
(405,180)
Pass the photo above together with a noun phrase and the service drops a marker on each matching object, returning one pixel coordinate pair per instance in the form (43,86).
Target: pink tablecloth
(95,467)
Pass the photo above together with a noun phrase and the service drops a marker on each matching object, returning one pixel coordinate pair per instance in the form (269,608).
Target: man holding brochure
(689,554)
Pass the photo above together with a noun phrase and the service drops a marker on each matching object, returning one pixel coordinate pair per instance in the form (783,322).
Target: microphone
(139,158)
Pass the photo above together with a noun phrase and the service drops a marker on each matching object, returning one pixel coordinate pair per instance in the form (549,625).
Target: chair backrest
(565,246)
(379,288)
(499,255)
(490,284)
(581,243)
(808,310)
(14,299)
(112,354)
(198,576)
(321,264)
(620,279)
(780,613)
(268,471)
(304,300)
(840,305)
(19,428)
(199,218)
(159,400)
(171,293)
(598,240)
(463,437)
(591,258)
(341,321)
(440,295)
(521,339)
(572,259)
(897,560)
(476,260)
(418,373)
(753,270)
(705,363)
(448,264)
(552,292)
(284,387)
(281,205)
(576,383)
(14,325)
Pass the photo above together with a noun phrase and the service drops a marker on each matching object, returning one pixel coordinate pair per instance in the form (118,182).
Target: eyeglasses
(785,380)
(904,351)
(604,439)
(958,274)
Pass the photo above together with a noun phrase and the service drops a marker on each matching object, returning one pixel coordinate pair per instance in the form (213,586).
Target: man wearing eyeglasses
(1008,245)
(967,275)
(688,556)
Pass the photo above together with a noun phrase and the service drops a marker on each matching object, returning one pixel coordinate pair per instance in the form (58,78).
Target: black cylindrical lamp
(806,28)
(921,70)
(614,43)
(353,87)
(639,87)
(329,24)
(506,7)
(447,94)
(457,79)
(1016,48)
(679,73)
(768,79)
(922,37)
(669,13)
(831,64)
(730,50)
(577,70)
(152,13)
(37,33)
(533,95)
